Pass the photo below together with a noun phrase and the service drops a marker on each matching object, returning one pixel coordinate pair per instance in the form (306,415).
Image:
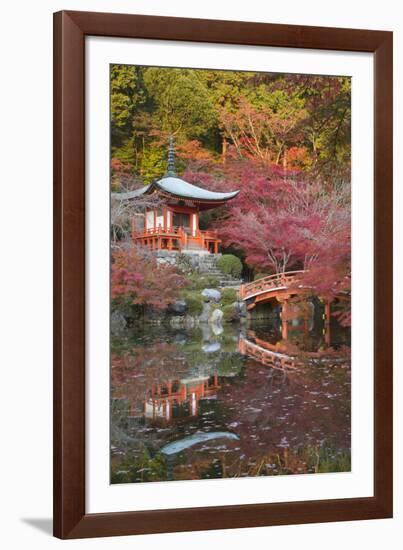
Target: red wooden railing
(266,356)
(272,282)
(175,238)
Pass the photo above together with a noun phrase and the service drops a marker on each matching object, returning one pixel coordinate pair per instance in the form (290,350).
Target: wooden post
(183,392)
(170,243)
(196,221)
(284,323)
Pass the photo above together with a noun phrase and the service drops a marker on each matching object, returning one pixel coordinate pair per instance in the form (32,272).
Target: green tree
(126,96)
(182,103)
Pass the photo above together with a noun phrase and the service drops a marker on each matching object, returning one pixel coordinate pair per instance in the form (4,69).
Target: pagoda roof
(179,188)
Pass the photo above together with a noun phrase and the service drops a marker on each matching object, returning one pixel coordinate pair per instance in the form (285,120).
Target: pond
(231,401)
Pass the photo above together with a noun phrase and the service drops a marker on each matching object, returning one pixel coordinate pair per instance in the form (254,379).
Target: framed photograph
(223,274)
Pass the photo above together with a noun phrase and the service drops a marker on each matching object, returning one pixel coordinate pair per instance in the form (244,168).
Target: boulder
(240,309)
(118,323)
(180,338)
(211,347)
(178,307)
(216,317)
(216,329)
(211,294)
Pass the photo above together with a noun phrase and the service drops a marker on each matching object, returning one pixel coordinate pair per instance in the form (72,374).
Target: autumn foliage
(282,140)
(140,280)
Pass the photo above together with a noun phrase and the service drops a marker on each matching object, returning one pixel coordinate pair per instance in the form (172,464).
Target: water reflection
(179,398)
(284,404)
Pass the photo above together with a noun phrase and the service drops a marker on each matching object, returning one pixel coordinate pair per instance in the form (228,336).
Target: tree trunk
(224,150)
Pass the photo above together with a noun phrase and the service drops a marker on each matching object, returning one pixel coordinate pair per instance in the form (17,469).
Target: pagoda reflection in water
(184,393)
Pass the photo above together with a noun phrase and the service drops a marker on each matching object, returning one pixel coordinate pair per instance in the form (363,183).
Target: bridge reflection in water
(266,354)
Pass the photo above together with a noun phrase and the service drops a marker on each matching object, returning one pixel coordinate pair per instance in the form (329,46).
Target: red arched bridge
(274,286)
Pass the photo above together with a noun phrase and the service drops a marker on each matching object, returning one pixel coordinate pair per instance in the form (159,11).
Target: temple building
(174,223)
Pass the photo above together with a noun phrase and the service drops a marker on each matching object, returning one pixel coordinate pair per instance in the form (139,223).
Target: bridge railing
(266,283)
(266,356)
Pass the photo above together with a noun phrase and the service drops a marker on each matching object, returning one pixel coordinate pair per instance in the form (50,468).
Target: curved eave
(203,204)
(131,194)
(181,189)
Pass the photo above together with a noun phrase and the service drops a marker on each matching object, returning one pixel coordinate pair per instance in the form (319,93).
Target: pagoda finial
(171,158)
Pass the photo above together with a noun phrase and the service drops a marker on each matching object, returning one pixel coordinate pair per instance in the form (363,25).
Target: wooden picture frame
(70,517)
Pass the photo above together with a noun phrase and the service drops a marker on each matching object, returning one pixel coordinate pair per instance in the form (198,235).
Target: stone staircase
(208,264)
(202,261)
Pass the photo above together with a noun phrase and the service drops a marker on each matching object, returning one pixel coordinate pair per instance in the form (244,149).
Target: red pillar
(284,323)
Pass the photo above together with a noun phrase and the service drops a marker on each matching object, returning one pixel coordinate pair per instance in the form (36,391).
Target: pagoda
(174,223)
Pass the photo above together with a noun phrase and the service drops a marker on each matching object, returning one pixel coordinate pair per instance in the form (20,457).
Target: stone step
(213,272)
(220,274)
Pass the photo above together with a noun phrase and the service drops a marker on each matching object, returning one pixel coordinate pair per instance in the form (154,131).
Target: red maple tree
(137,277)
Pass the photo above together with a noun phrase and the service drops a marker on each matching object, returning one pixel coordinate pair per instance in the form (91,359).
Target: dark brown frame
(70,518)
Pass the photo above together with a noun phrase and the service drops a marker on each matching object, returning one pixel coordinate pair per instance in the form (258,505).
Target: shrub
(229,296)
(230,313)
(199,282)
(194,302)
(230,265)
